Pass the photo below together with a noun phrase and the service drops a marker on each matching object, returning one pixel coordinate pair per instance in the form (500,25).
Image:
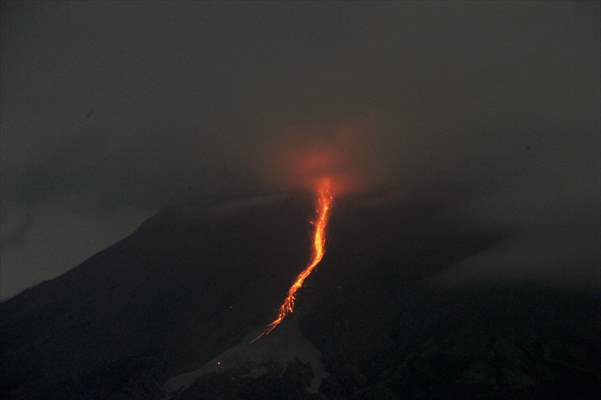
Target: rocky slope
(192,284)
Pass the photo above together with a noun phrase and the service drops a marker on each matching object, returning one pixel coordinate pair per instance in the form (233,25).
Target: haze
(110,112)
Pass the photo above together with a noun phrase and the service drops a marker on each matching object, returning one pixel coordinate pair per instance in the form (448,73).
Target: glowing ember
(325,198)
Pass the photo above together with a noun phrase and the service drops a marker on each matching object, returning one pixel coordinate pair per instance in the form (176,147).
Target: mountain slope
(193,282)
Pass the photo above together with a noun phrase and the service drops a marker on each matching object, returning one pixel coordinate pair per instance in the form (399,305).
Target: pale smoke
(492,107)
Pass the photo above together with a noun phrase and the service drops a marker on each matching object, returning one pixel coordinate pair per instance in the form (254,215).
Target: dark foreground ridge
(191,283)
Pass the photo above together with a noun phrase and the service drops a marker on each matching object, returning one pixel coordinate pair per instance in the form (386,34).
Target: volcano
(168,313)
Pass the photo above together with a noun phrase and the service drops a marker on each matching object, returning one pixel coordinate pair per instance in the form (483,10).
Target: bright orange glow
(325,197)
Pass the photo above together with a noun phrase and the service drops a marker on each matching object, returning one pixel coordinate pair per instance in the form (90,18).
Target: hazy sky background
(109,112)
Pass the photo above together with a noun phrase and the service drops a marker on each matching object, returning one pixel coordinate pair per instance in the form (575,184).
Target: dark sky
(109,112)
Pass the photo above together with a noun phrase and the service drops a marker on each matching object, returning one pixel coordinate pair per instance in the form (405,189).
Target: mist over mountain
(111,112)
(158,172)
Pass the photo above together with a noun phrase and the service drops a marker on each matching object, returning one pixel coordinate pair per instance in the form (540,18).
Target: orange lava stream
(325,198)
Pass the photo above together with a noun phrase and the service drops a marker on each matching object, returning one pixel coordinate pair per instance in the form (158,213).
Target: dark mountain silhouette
(193,282)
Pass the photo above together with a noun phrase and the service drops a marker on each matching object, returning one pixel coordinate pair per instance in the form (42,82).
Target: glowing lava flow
(325,198)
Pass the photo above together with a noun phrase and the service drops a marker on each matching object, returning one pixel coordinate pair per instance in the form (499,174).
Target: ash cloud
(119,110)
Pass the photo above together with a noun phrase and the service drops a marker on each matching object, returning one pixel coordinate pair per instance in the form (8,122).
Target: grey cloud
(122,107)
